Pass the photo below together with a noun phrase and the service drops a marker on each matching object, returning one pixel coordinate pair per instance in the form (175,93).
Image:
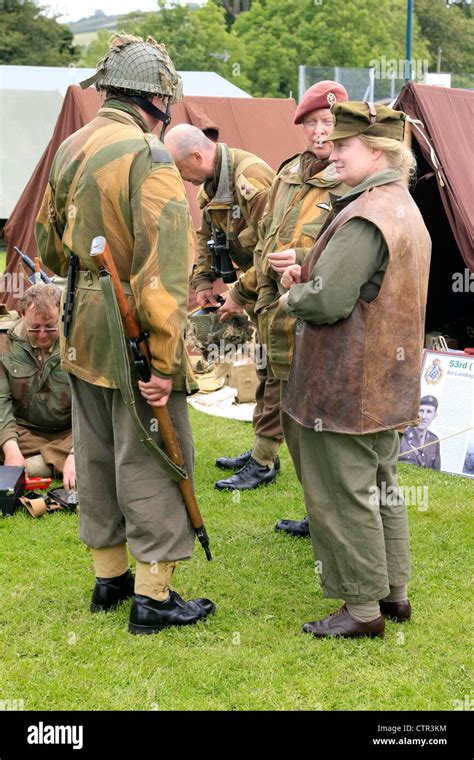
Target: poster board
(444,437)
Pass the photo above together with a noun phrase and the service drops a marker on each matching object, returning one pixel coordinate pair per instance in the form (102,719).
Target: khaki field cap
(362,118)
(134,65)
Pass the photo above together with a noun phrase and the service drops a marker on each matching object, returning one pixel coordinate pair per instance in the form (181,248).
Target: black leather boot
(236,463)
(149,616)
(298,528)
(250,476)
(109,592)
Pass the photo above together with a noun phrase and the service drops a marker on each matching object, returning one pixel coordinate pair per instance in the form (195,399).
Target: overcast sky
(71,10)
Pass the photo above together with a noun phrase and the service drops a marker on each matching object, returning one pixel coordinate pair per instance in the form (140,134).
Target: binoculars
(221,263)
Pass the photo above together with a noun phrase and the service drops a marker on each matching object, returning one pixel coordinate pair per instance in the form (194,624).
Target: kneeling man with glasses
(35,397)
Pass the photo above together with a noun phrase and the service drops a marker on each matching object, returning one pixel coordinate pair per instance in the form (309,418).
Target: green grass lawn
(252,654)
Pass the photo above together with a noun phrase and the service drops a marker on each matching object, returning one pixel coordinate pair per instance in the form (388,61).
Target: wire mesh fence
(375,83)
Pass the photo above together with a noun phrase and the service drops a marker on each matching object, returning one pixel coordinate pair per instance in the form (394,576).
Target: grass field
(252,654)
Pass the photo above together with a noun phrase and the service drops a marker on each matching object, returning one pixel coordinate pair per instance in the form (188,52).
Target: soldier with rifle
(114,179)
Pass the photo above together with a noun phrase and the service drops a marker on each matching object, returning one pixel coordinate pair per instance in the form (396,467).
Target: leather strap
(124,378)
(372,111)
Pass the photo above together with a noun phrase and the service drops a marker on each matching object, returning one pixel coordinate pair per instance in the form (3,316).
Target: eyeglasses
(45,329)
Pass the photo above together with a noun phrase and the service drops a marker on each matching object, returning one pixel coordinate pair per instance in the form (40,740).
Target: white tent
(31,98)
(27,121)
(56,78)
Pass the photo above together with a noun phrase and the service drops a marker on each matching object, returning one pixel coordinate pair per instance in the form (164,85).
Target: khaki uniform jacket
(295,212)
(236,208)
(112,178)
(34,392)
(428,456)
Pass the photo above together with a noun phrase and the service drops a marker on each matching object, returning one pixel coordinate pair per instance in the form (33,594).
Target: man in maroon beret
(319,96)
(296,208)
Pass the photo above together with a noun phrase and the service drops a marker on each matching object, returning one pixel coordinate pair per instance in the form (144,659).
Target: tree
(279,35)
(29,38)
(449,30)
(233,8)
(264,46)
(96,49)
(464,5)
(197,40)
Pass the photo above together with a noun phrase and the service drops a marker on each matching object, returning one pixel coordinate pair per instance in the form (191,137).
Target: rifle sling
(124,379)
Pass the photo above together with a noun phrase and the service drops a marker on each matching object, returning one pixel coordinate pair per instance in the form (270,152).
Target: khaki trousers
(124,493)
(266,418)
(360,540)
(54,447)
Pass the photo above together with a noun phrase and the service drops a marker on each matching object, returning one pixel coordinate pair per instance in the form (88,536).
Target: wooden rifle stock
(102,256)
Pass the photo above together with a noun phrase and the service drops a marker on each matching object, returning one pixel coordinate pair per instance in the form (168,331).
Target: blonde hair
(399,155)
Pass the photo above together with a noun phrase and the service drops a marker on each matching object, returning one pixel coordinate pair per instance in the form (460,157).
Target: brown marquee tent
(261,125)
(444,138)
(442,142)
(444,191)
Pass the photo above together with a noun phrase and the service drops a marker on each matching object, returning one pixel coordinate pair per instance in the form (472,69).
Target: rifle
(102,256)
(31,265)
(70,292)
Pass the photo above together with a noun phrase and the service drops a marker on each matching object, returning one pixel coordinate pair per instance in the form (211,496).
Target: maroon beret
(320,95)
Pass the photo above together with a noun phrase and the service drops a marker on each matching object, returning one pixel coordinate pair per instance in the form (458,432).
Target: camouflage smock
(237,211)
(34,392)
(292,219)
(129,191)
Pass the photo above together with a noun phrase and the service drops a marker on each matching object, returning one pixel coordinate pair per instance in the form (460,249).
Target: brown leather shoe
(340,623)
(400,612)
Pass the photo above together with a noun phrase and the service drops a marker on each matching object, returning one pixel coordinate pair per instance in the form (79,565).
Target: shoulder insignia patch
(159,154)
(246,187)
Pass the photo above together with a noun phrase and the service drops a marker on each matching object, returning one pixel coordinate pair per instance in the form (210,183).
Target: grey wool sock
(397,594)
(364,613)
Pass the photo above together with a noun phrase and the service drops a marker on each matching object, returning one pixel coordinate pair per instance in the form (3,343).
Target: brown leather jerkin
(362,374)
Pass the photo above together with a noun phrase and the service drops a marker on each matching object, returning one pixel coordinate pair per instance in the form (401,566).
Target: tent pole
(408,41)
(301,82)
(407,139)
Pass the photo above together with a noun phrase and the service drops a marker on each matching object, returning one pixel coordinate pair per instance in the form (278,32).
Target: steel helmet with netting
(134,65)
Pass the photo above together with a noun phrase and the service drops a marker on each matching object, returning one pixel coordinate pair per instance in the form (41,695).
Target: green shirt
(351,267)
(34,390)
